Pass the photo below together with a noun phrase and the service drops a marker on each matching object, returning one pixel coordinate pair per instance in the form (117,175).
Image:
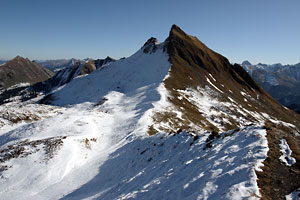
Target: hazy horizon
(261,32)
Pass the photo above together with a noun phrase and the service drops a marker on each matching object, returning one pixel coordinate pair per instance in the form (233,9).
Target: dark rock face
(60,78)
(88,68)
(150,45)
(100,62)
(246,77)
(21,70)
(92,65)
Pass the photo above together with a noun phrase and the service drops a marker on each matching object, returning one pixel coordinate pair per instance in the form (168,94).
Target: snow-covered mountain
(173,121)
(281,81)
(56,65)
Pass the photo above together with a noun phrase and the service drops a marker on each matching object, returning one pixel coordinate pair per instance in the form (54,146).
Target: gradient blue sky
(265,31)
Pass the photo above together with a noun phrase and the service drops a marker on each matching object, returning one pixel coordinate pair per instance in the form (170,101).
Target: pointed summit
(176,30)
(188,53)
(198,71)
(18,58)
(21,70)
(150,46)
(245,63)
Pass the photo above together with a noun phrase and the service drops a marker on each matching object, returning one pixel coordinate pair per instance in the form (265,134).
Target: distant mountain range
(58,64)
(281,81)
(68,71)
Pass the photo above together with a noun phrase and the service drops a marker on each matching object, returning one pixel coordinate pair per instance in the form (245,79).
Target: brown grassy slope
(21,70)
(278,180)
(192,62)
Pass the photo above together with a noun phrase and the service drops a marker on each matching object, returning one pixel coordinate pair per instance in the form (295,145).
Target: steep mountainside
(281,81)
(173,121)
(21,70)
(199,74)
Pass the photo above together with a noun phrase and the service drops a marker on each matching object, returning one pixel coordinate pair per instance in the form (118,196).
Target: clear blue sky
(265,31)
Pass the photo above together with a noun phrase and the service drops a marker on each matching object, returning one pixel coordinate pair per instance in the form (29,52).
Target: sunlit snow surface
(123,164)
(107,154)
(169,167)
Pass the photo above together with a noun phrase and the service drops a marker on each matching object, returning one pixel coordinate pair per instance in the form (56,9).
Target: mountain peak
(22,70)
(176,32)
(150,45)
(176,29)
(190,53)
(18,58)
(246,62)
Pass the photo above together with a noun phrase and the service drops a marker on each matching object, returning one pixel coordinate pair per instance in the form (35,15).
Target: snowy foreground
(94,144)
(105,156)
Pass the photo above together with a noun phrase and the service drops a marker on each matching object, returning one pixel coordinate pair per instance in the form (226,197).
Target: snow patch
(286,156)
(295,195)
(213,85)
(213,78)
